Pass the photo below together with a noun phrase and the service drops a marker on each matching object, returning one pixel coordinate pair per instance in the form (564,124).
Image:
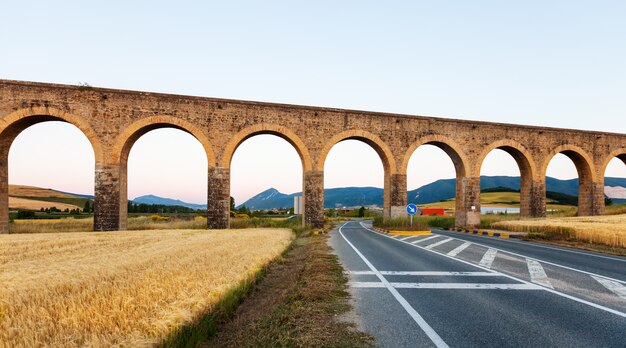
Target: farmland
(606,230)
(501,200)
(35,198)
(122,288)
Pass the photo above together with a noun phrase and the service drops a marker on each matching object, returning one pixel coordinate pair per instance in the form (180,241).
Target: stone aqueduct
(113,120)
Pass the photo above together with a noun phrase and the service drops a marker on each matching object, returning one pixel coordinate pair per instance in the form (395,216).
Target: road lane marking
(458,249)
(543,261)
(555,292)
(430,246)
(405,238)
(554,248)
(615,287)
(488,258)
(428,273)
(425,239)
(537,274)
(448,286)
(428,330)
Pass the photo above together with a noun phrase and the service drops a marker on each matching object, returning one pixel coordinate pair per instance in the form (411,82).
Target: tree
(87,208)
(232,203)
(25,214)
(362,212)
(243,210)
(608,201)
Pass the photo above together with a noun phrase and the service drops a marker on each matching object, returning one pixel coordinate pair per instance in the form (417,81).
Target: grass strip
(296,304)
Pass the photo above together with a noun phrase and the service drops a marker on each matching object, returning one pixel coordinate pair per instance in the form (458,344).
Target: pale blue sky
(550,63)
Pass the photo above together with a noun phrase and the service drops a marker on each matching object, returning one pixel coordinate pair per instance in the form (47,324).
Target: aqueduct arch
(118,161)
(531,185)
(464,185)
(271,129)
(113,119)
(394,196)
(590,190)
(16,122)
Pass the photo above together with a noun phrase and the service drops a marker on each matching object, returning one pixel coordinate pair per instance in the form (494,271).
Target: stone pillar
(585,196)
(537,199)
(313,189)
(467,202)
(4,192)
(218,198)
(397,196)
(110,201)
(597,198)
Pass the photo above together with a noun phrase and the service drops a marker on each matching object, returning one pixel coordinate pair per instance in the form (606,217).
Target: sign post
(411,209)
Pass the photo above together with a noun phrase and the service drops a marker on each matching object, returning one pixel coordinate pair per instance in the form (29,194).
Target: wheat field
(121,288)
(33,204)
(609,230)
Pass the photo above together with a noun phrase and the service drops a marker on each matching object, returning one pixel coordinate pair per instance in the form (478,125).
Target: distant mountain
(80,195)
(433,192)
(335,197)
(269,199)
(152,199)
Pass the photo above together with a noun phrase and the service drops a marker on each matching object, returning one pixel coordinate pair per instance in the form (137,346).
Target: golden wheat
(33,204)
(121,288)
(608,230)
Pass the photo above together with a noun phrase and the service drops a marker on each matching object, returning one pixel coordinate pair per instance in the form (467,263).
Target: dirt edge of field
(297,303)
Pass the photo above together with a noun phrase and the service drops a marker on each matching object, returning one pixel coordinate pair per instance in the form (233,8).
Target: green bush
(401,224)
(25,214)
(443,222)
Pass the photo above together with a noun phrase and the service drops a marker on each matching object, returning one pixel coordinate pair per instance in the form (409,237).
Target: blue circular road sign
(411,209)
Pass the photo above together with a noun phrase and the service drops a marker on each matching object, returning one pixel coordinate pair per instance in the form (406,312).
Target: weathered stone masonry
(113,120)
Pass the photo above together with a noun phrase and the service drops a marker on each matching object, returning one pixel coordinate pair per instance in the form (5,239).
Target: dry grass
(86,225)
(297,304)
(121,288)
(32,204)
(32,191)
(607,230)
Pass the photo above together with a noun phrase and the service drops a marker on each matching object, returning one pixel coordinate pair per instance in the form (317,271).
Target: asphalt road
(459,290)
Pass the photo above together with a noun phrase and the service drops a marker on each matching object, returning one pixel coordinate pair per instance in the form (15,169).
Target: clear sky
(550,63)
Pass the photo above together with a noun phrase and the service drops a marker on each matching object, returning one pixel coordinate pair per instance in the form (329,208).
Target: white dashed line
(488,258)
(544,261)
(458,249)
(537,274)
(425,239)
(615,287)
(430,246)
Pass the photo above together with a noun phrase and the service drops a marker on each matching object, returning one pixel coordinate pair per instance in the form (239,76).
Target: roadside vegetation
(609,231)
(151,222)
(125,289)
(297,304)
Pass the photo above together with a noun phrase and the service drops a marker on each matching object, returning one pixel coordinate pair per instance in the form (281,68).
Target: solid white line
(448,286)
(458,249)
(428,273)
(405,238)
(537,274)
(558,293)
(424,239)
(430,246)
(544,261)
(488,258)
(615,287)
(428,330)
